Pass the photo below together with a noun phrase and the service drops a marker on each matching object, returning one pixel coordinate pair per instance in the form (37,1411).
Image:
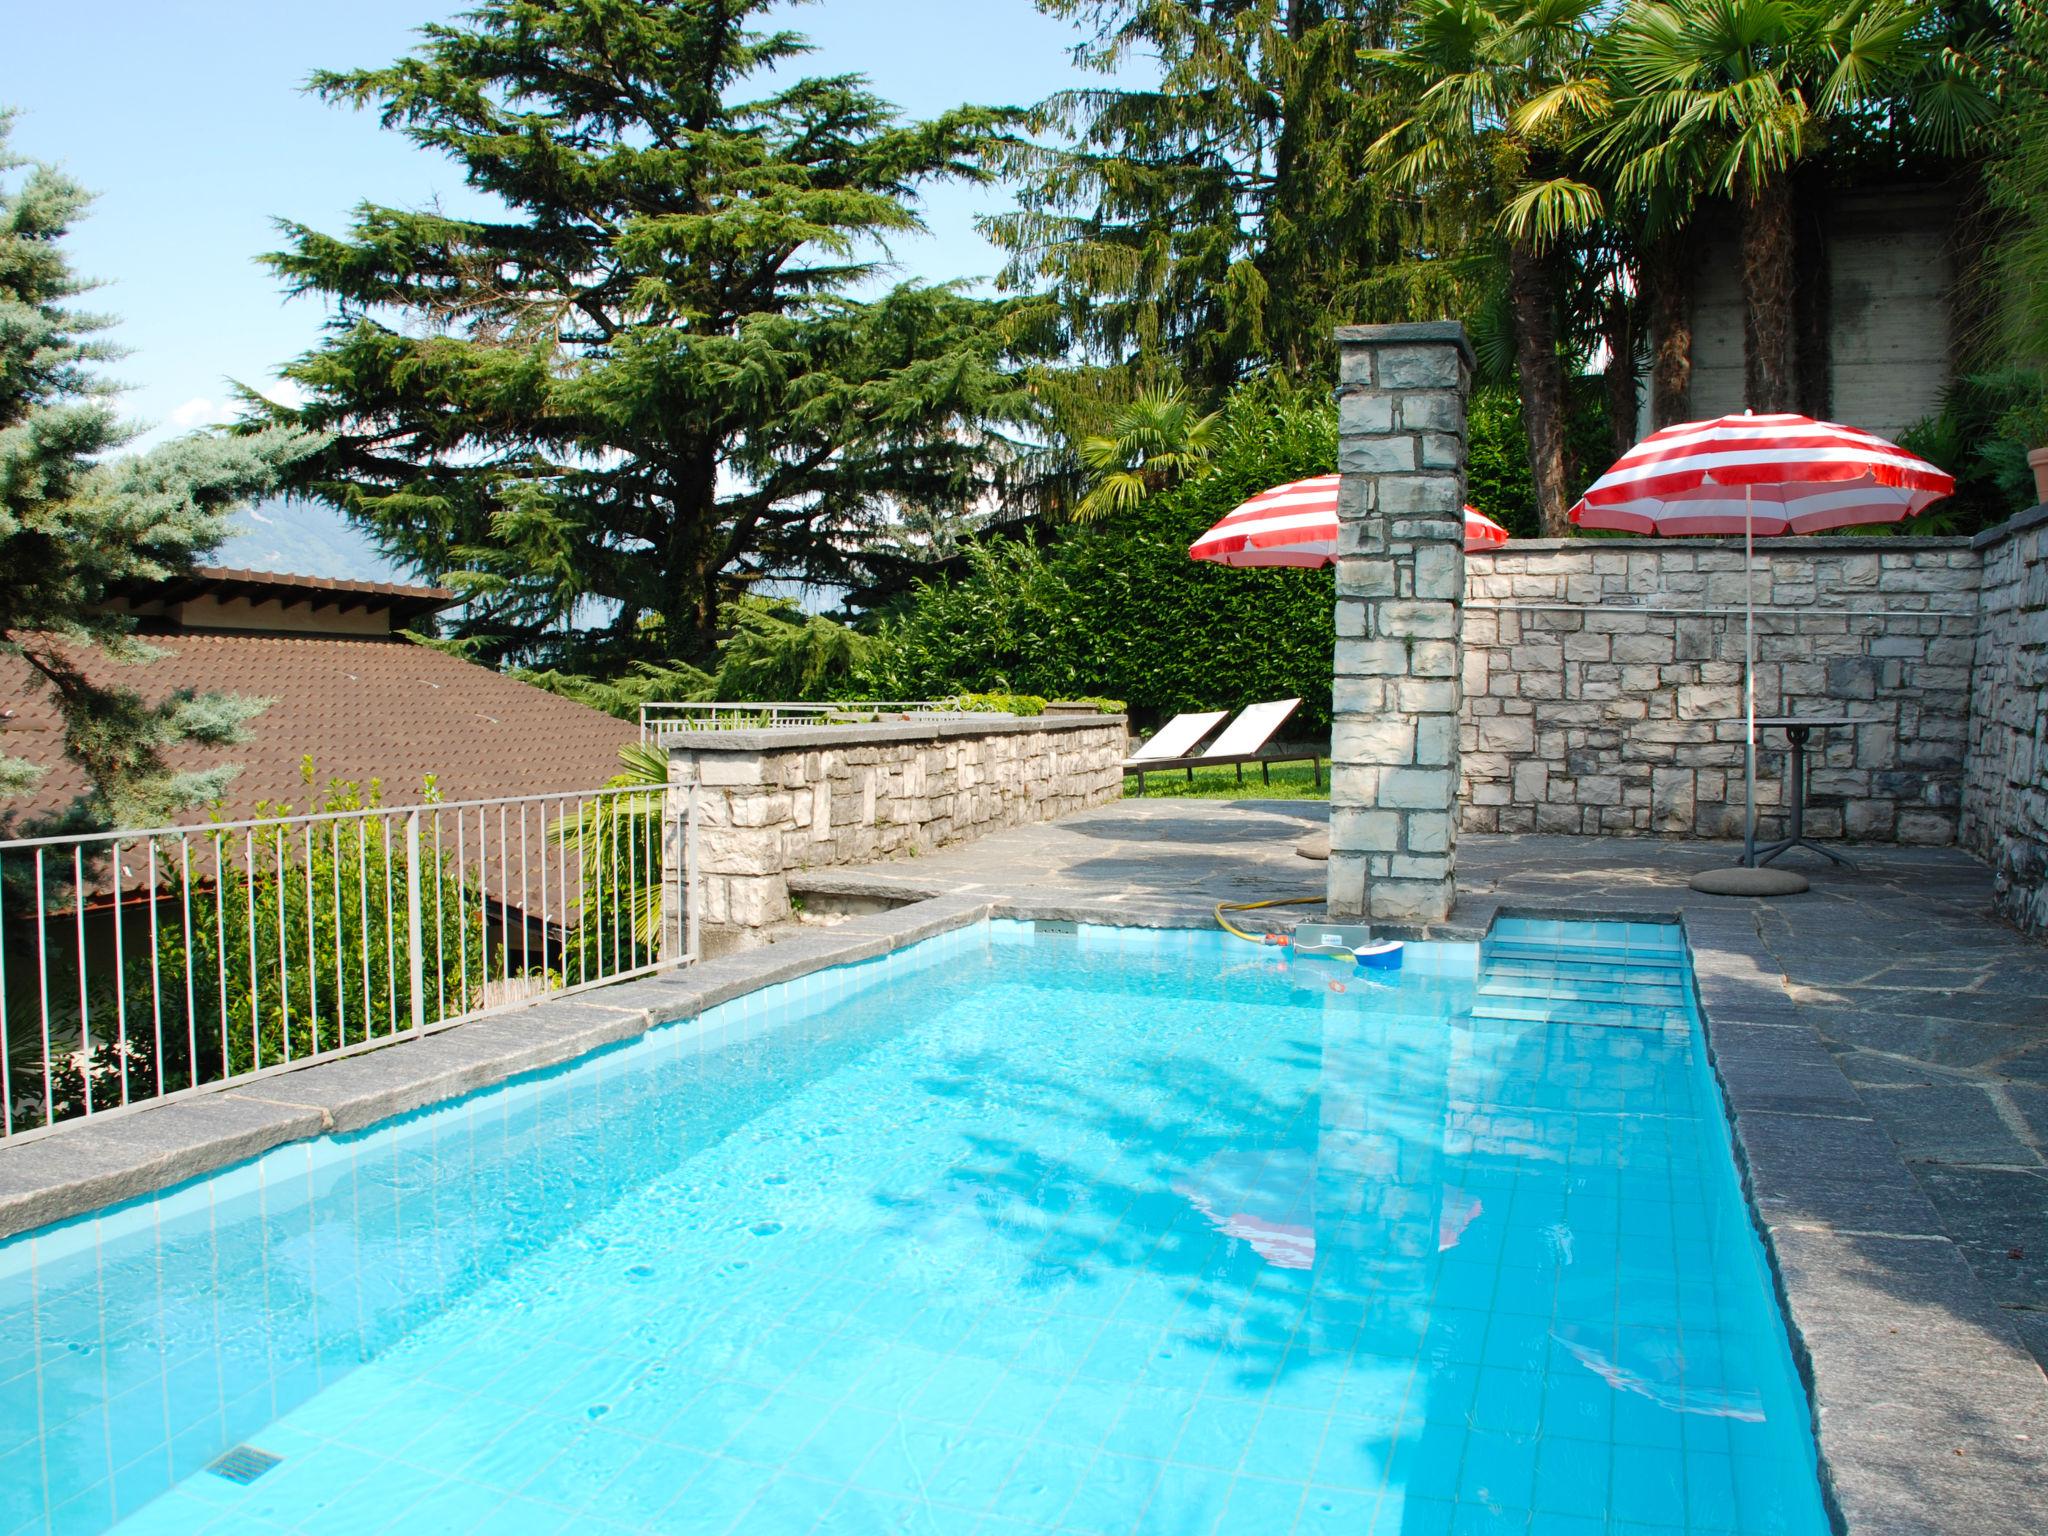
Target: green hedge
(1119,609)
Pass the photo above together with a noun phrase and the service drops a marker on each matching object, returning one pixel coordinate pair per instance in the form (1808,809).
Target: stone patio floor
(1936,1011)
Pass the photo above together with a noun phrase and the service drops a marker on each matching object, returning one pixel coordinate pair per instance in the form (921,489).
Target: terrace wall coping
(2011,528)
(815,738)
(1801,543)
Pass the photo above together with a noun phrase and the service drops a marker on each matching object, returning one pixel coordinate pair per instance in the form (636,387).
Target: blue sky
(187,118)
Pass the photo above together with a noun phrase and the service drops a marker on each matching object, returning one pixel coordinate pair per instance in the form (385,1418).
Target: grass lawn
(1291,781)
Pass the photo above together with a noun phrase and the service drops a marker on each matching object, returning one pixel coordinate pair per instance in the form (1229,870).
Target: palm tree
(1497,95)
(1734,97)
(1155,440)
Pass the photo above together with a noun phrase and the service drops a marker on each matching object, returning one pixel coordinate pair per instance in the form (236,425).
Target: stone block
(1442,450)
(1367,455)
(1418,368)
(1440,495)
(1397,617)
(1507,734)
(1364,829)
(721,769)
(1428,831)
(1365,577)
(1410,901)
(1672,799)
(1440,573)
(1346,892)
(1362,411)
(1383,740)
(1436,740)
(1417,788)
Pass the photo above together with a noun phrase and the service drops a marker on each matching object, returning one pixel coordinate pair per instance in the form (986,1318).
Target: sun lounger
(1175,739)
(1243,741)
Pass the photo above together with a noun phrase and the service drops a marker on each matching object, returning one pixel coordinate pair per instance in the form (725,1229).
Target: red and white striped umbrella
(1766,475)
(1296,524)
(1754,475)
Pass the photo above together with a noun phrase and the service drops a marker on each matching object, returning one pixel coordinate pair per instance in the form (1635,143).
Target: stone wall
(772,801)
(2005,793)
(1603,684)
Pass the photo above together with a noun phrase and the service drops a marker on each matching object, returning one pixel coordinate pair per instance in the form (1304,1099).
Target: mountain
(305,538)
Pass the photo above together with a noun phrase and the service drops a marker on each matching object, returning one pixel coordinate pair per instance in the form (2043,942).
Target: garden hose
(1375,956)
(1252,906)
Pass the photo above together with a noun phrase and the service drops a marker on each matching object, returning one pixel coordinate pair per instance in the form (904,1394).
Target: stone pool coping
(1929,1414)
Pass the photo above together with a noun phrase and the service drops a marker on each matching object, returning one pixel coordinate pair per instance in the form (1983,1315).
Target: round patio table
(1797,729)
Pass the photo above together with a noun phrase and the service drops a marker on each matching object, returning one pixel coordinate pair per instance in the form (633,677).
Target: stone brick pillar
(1400,600)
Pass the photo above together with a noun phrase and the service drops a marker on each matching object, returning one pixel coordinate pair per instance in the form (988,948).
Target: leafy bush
(1000,703)
(1981,435)
(1498,482)
(1117,607)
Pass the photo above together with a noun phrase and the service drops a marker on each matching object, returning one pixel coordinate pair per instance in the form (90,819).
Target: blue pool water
(1010,1232)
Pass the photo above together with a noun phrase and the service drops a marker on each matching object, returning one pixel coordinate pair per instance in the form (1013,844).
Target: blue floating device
(1384,956)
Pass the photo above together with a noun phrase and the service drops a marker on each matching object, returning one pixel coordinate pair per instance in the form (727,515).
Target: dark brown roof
(384,709)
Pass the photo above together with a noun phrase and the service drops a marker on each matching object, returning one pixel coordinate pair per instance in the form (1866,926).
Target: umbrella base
(1741,880)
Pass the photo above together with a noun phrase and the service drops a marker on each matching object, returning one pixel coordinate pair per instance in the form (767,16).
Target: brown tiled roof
(362,709)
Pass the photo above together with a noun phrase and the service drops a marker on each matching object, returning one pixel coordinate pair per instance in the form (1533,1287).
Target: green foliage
(643,682)
(1981,435)
(332,906)
(1211,223)
(1000,703)
(1156,440)
(298,939)
(78,521)
(1497,479)
(774,650)
(1118,606)
(654,377)
(2018,182)
(1282,781)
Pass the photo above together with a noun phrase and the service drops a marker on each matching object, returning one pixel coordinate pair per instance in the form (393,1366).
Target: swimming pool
(1015,1230)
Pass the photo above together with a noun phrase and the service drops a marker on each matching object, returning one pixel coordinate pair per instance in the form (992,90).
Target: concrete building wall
(1603,685)
(1890,275)
(2005,793)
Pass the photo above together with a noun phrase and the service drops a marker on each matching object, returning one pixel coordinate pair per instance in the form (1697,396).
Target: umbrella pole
(1749,675)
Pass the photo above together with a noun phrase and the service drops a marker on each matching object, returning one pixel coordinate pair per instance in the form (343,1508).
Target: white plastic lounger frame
(1177,737)
(1248,734)
(1243,741)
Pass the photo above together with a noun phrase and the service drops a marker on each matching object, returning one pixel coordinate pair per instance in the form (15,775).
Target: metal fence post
(690,875)
(412,920)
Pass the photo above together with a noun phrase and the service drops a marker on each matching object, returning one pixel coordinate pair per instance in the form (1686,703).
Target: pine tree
(1215,223)
(76,524)
(667,367)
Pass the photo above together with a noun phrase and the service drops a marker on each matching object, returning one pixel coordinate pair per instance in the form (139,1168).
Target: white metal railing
(658,721)
(142,966)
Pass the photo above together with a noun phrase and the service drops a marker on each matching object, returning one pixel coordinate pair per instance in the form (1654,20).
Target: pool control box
(1314,936)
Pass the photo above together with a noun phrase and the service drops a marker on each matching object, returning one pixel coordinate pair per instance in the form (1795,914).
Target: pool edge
(90,1167)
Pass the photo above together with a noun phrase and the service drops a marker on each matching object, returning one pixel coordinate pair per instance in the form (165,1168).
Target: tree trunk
(1541,376)
(1618,330)
(1770,379)
(1666,269)
(1813,298)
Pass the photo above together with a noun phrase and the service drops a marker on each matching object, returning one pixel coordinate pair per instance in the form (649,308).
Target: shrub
(1117,607)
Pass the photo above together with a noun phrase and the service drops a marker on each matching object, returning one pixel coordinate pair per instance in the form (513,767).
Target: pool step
(1606,975)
